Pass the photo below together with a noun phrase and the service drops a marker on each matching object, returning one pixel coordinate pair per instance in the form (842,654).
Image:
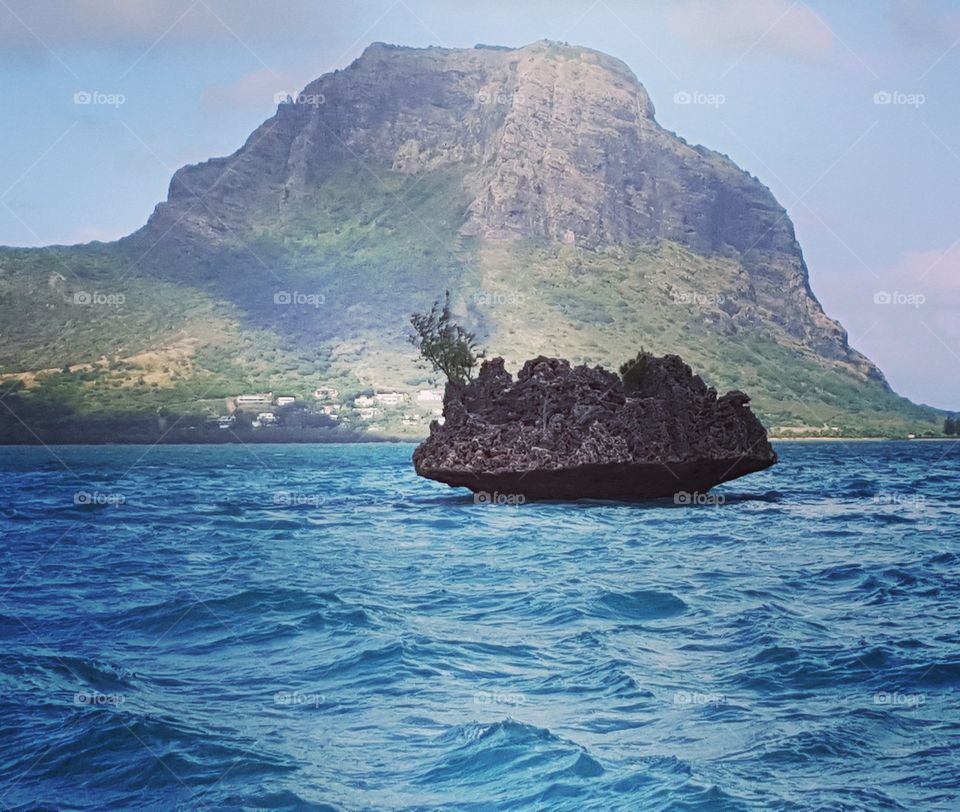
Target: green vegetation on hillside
(323,300)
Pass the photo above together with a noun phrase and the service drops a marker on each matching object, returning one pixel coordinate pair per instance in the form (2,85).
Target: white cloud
(933,273)
(923,24)
(936,270)
(257,89)
(906,317)
(29,25)
(774,27)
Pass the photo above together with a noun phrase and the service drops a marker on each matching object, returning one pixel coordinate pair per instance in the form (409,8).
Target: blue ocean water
(314,627)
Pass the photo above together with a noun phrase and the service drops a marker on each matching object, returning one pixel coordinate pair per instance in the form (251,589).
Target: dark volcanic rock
(562,432)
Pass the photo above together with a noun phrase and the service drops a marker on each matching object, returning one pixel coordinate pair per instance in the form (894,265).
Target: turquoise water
(314,627)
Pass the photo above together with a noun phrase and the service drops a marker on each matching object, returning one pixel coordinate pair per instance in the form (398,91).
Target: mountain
(534,183)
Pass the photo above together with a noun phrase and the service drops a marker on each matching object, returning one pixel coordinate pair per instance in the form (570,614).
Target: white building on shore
(389,398)
(261,397)
(264,419)
(430,396)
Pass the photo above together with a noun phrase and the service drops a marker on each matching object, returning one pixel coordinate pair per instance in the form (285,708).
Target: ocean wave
(639,605)
(203,646)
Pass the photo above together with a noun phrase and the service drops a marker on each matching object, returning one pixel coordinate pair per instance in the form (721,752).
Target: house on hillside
(261,397)
(326,393)
(389,398)
(285,400)
(265,419)
(429,396)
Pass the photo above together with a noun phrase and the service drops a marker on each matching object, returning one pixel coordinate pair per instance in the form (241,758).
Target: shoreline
(387,440)
(863,439)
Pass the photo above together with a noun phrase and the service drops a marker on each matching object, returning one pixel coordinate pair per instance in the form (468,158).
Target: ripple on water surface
(316,628)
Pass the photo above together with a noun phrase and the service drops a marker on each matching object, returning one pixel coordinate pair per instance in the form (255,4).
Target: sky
(848,110)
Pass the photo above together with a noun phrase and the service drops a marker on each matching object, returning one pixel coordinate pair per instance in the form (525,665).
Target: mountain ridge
(536,176)
(746,217)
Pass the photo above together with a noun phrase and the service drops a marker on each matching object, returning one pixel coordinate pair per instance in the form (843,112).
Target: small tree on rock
(448,347)
(635,370)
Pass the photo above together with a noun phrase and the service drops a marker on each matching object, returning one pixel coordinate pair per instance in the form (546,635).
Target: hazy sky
(787,89)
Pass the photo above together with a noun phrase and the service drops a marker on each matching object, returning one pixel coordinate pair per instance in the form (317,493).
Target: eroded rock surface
(562,432)
(552,142)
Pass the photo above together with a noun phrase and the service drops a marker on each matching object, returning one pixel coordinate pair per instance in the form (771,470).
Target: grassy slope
(193,329)
(602,308)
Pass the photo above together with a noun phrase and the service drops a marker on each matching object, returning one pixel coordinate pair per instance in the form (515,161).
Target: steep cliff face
(534,184)
(552,142)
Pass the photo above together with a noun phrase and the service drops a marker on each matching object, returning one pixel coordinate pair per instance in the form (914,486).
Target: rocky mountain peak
(551,142)
(534,184)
